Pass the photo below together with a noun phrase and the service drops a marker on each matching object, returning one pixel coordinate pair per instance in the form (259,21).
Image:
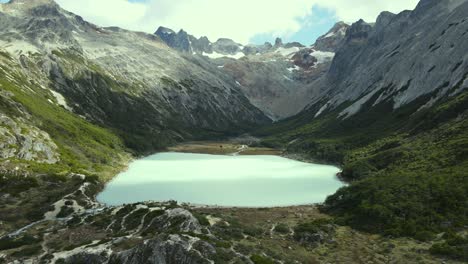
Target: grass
(83,147)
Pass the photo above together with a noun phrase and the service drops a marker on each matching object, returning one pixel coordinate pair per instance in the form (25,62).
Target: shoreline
(212,148)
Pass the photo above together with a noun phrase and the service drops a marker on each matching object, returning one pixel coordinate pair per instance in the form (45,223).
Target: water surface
(250,181)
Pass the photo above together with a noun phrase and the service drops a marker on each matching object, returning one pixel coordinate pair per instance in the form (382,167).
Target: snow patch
(289,52)
(216,55)
(295,68)
(323,56)
(323,108)
(60,100)
(329,35)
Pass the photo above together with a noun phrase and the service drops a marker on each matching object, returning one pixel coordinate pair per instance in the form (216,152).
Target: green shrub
(12,242)
(15,185)
(357,170)
(312,226)
(282,228)
(257,259)
(202,219)
(27,251)
(253,231)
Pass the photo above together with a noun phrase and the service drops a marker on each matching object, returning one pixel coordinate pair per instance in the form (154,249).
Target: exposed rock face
(226,46)
(168,245)
(400,59)
(26,142)
(87,258)
(167,249)
(281,75)
(178,218)
(184,42)
(270,76)
(126,80)
(332,39)
(257,49)
(278,43)
(179,41)
(304,59)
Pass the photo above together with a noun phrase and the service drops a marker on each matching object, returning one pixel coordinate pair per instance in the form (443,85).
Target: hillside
(386,101)
(399,130)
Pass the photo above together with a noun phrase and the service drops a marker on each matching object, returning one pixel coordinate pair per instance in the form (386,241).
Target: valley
(386,102)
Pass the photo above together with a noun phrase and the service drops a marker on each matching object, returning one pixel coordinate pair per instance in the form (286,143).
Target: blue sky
(320,21)
(245,21)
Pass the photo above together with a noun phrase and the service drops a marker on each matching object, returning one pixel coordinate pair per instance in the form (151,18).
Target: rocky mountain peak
(26,4)
(182,32)
(164,30)
(32,2)
(384,19)
(33,8)
(333,38)
(225,41)
(180,40)
(358,32)
(278,42)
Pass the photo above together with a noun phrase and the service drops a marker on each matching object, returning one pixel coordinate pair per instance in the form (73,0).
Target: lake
(243,181)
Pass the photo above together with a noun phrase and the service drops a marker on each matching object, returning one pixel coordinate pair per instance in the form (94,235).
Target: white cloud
(239,20)
(108,12)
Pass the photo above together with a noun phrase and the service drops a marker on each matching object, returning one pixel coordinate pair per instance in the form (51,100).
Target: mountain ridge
(387,102)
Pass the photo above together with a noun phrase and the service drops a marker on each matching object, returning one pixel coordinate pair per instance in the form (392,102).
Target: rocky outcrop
(178,218)
(400,59)
(83,257)
(304,59)
(180,41)
(186,43)
(126,80)
(166,250)
(227,46)
(22,141)
(333,39)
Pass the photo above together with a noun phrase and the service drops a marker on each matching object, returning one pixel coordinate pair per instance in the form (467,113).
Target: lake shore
(223,148)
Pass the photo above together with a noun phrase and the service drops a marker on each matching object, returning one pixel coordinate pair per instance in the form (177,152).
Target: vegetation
(83,147)
(312,226)
(257,259)
(14,184)
(408,168)
(282,228)
(9,243)
(454,246)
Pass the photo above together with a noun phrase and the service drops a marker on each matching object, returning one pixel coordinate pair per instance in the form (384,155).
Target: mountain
(385,101)
(270,76)
(128,81)
(392,110)
(399,59)
(186,43)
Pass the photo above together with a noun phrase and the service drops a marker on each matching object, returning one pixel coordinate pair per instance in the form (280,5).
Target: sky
(245,21)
